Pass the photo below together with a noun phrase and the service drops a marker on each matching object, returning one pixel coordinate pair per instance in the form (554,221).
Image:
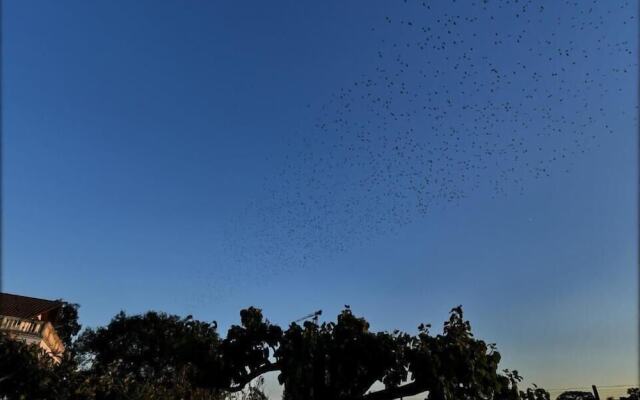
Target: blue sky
(157,155)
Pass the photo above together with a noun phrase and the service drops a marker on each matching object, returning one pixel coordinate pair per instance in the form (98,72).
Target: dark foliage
(28,373)
(165,354)
(576,395)
(66,322)
(632,394)
(162,356)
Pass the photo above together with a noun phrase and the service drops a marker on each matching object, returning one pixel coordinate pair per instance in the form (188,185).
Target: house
(32,320)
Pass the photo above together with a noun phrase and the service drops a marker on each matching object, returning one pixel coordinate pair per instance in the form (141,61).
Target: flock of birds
(463,96)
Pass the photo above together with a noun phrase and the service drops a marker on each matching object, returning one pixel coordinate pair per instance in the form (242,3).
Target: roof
(13,305)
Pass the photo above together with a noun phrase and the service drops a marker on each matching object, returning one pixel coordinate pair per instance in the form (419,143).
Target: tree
(343,360)
(576,395)
(160,356)
(27,372)
(66,322)
(633,394)
(22,372)
(155,353)
(535,394)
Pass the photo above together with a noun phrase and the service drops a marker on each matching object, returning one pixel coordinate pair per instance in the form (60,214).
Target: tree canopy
(161,356)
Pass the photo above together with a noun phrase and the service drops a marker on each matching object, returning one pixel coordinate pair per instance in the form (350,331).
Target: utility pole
(595,392)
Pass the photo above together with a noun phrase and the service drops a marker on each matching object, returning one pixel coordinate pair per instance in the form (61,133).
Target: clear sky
(200,157)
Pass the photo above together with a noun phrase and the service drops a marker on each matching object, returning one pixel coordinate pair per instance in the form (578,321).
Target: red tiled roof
(13,305)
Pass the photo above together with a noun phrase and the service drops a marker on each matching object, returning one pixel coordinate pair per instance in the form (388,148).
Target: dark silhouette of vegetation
(535,394)
(167,355)
(66,322)
(162,356)
(632,394)
(22,370)
(576,395)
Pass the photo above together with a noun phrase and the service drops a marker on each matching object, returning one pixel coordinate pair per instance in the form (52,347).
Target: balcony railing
(20,325)
(35,331)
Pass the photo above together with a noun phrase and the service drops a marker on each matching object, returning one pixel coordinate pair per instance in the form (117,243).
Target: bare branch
(252,375)
(410,389)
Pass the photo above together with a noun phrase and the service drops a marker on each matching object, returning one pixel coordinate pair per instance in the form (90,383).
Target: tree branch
(252,375)
(410,389)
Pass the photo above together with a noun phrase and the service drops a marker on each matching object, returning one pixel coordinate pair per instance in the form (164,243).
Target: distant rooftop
(14,305)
